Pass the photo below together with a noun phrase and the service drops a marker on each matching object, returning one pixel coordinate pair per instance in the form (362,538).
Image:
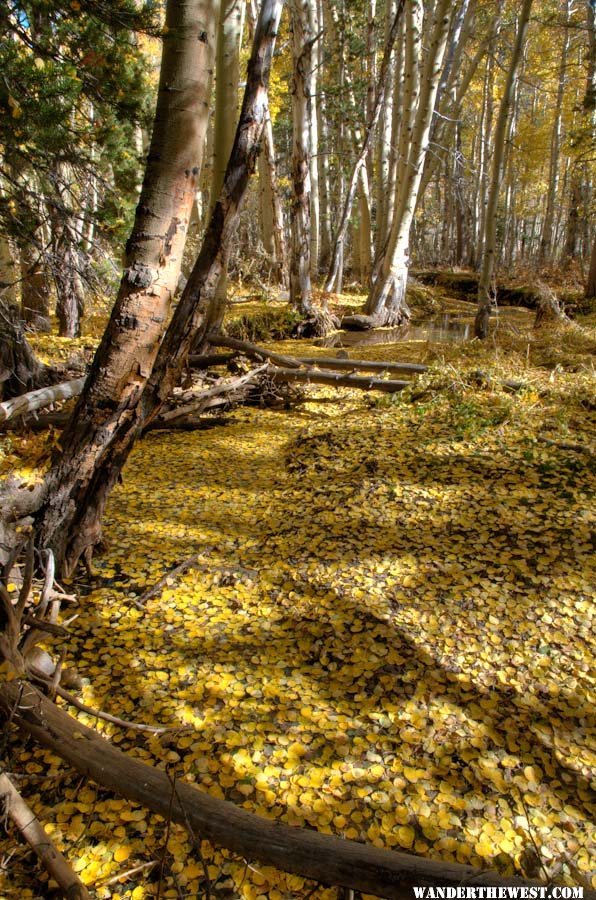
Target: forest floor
(387,636)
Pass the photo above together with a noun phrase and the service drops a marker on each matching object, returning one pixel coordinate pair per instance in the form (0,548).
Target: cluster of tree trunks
(139,361)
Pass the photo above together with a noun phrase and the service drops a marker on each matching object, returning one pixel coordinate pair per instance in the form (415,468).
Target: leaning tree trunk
(386,304)
(69,521)
(191,318)
(500,138)
(546,238)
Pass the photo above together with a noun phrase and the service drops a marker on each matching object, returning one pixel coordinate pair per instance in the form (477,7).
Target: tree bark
(227,79)
(272,205)
(546,239)
(9,276)
(498,148)
(35,287)
(300,254)
(92,446)
(313,142)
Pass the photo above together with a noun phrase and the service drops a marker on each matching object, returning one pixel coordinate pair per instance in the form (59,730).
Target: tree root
(318,323)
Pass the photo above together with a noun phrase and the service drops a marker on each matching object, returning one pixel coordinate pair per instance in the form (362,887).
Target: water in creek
(446,328)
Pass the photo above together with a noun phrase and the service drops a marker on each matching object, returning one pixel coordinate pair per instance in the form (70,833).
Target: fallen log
(26,403)
(40,842)
(324,858)
(331,362)
(220,340)
(205,361)
(320,376)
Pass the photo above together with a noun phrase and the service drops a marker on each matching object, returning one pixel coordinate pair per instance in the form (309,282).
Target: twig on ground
(114,879)
(39,840)
(108,717)
(193,562)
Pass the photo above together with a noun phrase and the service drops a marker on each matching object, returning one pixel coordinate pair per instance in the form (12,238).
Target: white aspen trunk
(509,213)
(395,124)
(498,150)
(313,150)
(300,265)
(274,239)
(453,94)
(271,209)
(484,146)
(386,303)
(364,232)
(227,78)
(323,130)
(546,239)
(385,134)
(360,172)
(266,207)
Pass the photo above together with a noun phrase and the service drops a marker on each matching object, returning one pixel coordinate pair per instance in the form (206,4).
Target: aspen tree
(386,303)
(227,76)
(497,161)
(78,485)
(546,239)
(300,256)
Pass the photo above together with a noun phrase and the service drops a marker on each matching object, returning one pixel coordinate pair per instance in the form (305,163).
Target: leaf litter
(390,636)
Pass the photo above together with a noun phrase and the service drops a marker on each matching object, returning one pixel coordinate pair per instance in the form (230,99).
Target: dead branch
(321,857)
(38,839)
(48,627)
(193,562)
(330,362)
(198,403)
(205,361)
(104,716)
(219,340)
(141,602)
(26,403)
(315,376)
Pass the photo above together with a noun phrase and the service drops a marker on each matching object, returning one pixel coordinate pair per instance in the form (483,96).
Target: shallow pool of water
(446,328)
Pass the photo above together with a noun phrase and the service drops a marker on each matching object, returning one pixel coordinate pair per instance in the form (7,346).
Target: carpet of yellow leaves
(390,638)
